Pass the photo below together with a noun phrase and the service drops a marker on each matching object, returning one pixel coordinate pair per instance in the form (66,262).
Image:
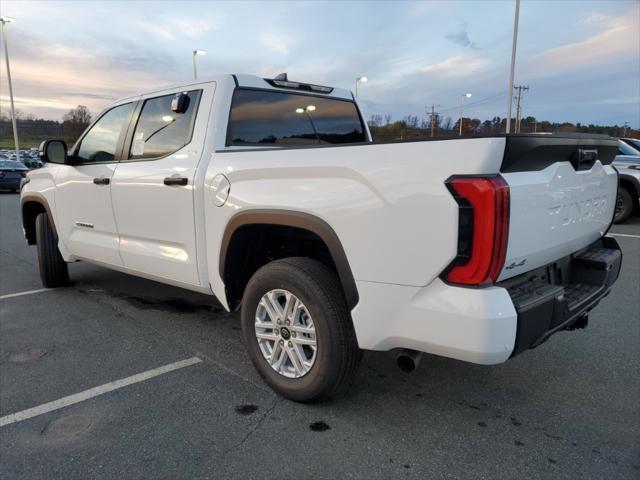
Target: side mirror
(53,151)
(180,103)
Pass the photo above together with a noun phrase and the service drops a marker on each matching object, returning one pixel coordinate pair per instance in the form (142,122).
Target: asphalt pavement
(568,409)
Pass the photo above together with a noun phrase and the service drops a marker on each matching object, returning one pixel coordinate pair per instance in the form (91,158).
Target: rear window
(260,117)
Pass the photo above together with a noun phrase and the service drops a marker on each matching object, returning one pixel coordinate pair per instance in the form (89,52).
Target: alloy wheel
(285,333)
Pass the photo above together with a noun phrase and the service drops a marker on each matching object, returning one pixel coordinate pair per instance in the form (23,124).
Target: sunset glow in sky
(581,59)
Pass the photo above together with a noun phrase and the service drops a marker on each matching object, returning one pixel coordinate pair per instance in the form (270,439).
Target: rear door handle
(176,181)
(101,181)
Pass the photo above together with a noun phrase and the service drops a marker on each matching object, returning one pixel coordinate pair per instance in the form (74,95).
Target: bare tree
(79,115)
(411,121)
(375,120)
(75,121)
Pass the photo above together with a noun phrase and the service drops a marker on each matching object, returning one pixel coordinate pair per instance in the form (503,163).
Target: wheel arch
(295,220)
(31,205)
(632,184)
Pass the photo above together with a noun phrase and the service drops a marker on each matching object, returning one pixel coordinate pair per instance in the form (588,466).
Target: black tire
(624,205)
(53,269)
(337,355)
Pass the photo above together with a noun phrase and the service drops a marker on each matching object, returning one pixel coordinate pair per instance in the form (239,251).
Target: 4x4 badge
(516,264)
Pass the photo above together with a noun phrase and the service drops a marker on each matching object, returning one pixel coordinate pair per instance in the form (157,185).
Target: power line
(489,99)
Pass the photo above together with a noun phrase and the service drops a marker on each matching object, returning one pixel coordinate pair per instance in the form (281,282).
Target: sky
(580,59)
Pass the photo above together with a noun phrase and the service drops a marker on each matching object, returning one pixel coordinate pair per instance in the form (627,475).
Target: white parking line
(623,235)
(94,392)
(28,292)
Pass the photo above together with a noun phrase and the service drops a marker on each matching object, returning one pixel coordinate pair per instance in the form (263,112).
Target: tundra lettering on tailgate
(577,210)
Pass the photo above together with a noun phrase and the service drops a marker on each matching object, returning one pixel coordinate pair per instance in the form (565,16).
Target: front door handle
(176,181)
(101,181)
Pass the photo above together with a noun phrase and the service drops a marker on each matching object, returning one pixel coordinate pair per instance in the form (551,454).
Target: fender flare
(36,197)
(305,221)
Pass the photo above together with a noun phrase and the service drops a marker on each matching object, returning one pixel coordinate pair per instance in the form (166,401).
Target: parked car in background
(628,165)
(633,142)
(11,174)
(30,157)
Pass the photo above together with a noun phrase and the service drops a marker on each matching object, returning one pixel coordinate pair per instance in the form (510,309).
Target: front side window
(161,131)
(261,117)
(99,144)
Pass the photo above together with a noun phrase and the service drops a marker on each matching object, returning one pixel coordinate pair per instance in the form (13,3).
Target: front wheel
(624,205)
(298,331)
(53,268)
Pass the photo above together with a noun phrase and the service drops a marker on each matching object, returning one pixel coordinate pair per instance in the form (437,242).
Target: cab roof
(279,83)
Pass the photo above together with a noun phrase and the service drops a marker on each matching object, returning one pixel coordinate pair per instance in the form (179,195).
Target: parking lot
(569,409)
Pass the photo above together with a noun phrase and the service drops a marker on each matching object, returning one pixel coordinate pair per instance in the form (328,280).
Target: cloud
(164,32)
(175,28)
(195,28)
(456,66)
(49,81)
(276,41)
(618,38)
(461,38)
(97,96)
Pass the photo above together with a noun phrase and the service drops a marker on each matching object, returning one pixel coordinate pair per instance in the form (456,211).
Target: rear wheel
(298,331)
(624,205)
(53,269)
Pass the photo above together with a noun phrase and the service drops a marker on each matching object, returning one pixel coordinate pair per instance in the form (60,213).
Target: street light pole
(513,65)
(462,97)
(3,21)
(197,53)
(358,80)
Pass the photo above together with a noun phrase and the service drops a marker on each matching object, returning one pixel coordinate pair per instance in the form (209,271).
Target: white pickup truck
(270,195)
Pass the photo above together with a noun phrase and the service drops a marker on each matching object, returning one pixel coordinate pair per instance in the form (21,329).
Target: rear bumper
(487,325)
(560,296)
(476,325)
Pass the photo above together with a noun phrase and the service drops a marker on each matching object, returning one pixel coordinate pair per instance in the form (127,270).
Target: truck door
(84,215)
(153,186)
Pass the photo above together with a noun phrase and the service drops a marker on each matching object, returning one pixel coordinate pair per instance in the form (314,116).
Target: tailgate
(562,197)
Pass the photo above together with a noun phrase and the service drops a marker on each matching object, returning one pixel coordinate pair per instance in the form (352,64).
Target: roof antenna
(281,76)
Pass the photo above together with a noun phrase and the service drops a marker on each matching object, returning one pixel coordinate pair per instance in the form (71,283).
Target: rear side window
(260,117)
(161,131)
(100,142)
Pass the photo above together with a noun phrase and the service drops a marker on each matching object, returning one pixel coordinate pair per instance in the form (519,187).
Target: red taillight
(484,206)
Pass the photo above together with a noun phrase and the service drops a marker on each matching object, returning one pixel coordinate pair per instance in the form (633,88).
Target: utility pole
(433,115)
(520,89)
(626,125)
(3,23)
(513,64)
